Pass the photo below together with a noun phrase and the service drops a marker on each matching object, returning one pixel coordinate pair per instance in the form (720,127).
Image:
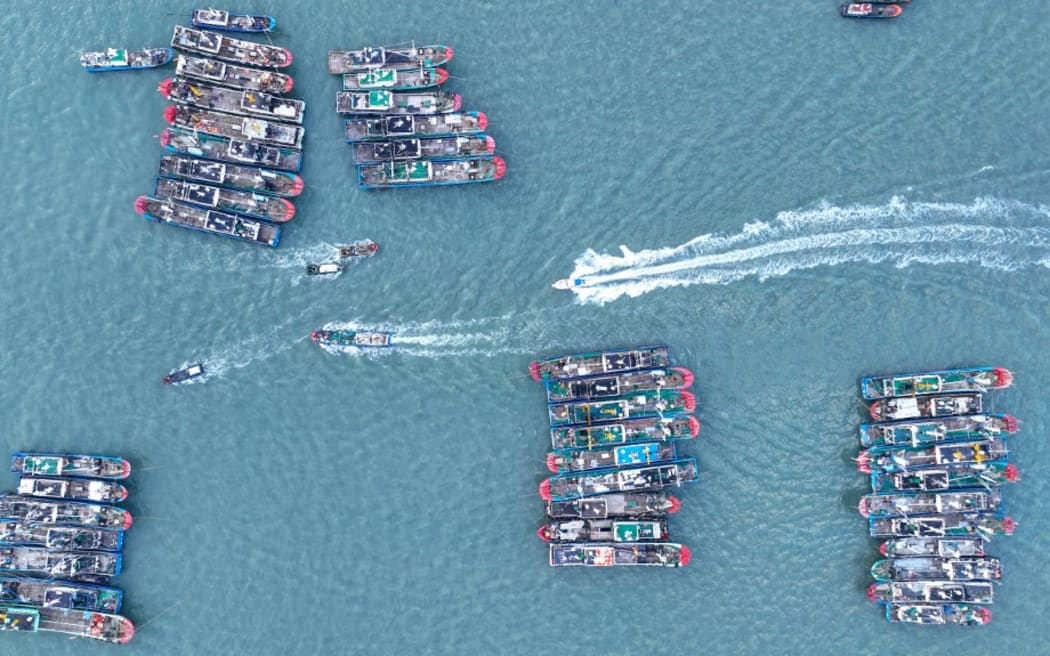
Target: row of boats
(61,537)
(937,462)
(616,419)
(234,145)
(404,133)
(873,9)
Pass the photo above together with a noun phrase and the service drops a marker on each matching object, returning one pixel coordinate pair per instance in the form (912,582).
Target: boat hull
(234,151)
(937,569)
(72,488)
(434,148)
(232,75)
(353,338)
(213,222)
(394,80)
(430,173)
(14,533)
(566,487)
(245,203)
(647,429)
(118,59)
(60,594)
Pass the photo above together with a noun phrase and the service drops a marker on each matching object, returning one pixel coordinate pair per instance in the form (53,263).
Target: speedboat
(870,10)
(190,372)
(326,268)
(363,248)
(565,284)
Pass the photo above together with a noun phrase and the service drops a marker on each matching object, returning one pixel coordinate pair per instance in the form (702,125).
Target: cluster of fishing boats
(403,130)
(616,419)
(234,145)
(61,537)
(937,460)
(873,9)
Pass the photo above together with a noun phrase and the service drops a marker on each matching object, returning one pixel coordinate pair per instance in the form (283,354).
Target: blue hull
(270,26)
(107,69)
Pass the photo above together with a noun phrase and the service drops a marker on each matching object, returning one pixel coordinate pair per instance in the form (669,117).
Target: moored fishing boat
(212,44)
(59,594)
(965,614)
(246,102)
(217,19)
(91,566)
(920,432)
(945,478)
(74,623)
(974,379)
(235,127)
(426,173)
(913,407)
(565,487)
(363,248)
(224,224)
(235,151)
(259,206)
(73,488)
(617,456)
(897,592)
(122,59)
(647,403)
(235,176)
(358,338)
(400,102)
(937,569)
(231,75)
(892,459)
(408,125)
(870,10)
(659,554)
(604,530)
(646,429)
(638,505)
(580,365)
(31,463)
(950,547)
(914,503)
(980,525)
(17,533)
(393,79)
(602,387)
(352,61)
(429,148)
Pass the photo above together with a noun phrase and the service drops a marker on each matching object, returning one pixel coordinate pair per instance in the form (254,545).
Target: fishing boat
(975,379)
(217,19)
(165,210)
(363,248)
(616,456)
(32,463)
(245,102)
(352,61)
(90,566)
(910,592)
(326,268)
(359,338)
(950,477)
(647,403)
(647,429)
(937,569)
(429,148)
(74,623)
(59,594)
(390,102)
(78,489)
(234,151)
(870,10)
(892,459)
(603,387)
(922,432)
(59,538)
(913,407)
(213,44)
(248,203)
(231,75)
(580,365)
(122,59)
(235,127)
(234,176)
(392,79)
(638,506)
(391,175)
(979,525)
(407,125)
(657,554)
(953,547)
(565,487)
(965,614)
(184,374)
(905,504)
(63,513)
(604,530)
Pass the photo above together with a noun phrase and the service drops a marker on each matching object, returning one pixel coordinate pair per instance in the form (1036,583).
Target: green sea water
(801,200)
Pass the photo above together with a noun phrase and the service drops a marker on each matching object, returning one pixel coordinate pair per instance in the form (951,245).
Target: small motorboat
(363,248)
(182,375)
(871,10)
(566,284)
(324,269)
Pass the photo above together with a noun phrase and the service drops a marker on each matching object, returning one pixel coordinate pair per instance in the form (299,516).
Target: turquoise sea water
(803,199)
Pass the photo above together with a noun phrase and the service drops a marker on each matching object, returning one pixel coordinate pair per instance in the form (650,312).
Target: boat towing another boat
(213,44)
(211,221)
(353,61)
(250,204)
(358,338)
(235,127)
(658,554)
(122,59)
(236,176)
(408,125)
(976,379)
(235,101)
(217,19)
(380,101)
(231,75)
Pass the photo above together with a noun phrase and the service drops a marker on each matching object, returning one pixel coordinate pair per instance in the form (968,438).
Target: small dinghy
(182,375)
(324,269)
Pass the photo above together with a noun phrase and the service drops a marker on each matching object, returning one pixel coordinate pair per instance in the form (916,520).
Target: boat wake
(989,232)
